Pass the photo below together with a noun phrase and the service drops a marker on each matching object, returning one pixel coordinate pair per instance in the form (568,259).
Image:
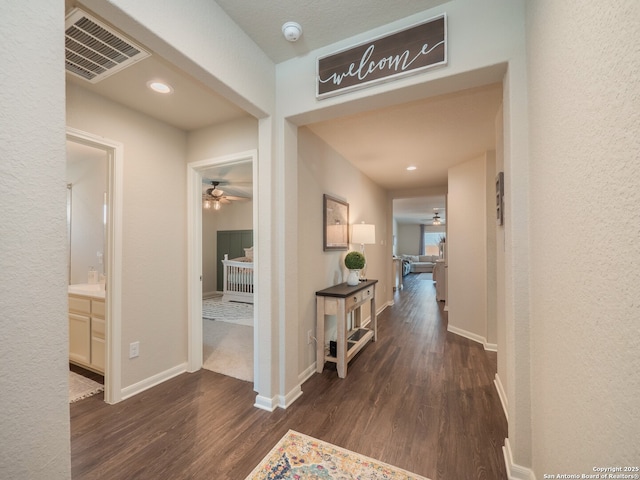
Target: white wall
(34,403)
(217,141)
(501,333)
(220,140)
(467,249)
(491,246)
(408,239)
(322,170)
(154,296)
(585,197)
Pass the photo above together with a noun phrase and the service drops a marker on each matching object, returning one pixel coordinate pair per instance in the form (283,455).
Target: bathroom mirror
(86,212)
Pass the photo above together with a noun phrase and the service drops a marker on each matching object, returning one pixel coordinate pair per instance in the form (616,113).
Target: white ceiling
(432,134)
(419,210)
(323,21)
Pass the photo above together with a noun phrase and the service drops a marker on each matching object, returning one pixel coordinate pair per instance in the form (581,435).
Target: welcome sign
(404,52)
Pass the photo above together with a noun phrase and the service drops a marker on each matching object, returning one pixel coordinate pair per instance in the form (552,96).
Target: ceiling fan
(436,218)
(213,197)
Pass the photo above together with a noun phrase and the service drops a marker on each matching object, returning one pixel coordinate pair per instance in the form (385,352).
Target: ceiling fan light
(216,205)
(207,204)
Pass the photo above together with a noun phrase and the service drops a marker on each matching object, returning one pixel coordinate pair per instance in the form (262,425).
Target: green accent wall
(232,242)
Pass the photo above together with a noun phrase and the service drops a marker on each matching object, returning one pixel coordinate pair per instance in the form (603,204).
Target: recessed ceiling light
(411,167)
(159,87)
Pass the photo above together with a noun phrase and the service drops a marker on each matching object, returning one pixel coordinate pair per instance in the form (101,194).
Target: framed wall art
(500,198)
(336,224)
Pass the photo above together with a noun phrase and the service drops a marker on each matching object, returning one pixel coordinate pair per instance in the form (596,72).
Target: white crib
(237,279)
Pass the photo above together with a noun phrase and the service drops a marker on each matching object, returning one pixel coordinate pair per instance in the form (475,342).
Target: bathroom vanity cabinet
(86,332)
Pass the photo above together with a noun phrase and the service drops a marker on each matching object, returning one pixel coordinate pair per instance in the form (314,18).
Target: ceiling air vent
(94,51)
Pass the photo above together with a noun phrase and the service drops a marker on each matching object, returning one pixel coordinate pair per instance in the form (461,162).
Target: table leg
(342,341)
(319,334)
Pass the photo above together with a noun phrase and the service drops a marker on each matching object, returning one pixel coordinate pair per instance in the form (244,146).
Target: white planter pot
(354,278)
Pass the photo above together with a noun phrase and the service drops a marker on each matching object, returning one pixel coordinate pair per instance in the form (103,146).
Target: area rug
(82,387)
(230,312)
(298,456)
(227,348)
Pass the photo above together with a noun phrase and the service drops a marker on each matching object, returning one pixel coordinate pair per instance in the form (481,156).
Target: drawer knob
(368,292)
(355,299)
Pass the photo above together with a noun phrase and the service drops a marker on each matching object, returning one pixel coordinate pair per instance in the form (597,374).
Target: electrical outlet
(309,337)
(134,349)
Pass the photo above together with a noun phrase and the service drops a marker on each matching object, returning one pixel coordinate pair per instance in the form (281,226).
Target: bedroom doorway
(222,221)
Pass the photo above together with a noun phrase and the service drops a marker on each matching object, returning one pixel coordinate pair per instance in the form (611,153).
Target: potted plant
(355,262)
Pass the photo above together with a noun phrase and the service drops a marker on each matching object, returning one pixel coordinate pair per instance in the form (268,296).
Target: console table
(340,300)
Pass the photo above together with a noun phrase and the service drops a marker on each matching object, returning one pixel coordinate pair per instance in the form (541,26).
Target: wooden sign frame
(388,57)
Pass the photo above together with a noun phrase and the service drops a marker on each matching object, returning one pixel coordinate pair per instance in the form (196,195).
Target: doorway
(196,172)
(108,260)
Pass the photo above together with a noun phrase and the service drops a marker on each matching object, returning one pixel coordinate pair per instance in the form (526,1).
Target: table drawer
(352,300)
(367,294)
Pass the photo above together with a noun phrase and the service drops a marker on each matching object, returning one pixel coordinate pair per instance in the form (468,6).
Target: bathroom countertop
(88,290)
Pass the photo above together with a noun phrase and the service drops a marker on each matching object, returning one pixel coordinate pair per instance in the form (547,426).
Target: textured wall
(34,409)
(154,256)
(585,233)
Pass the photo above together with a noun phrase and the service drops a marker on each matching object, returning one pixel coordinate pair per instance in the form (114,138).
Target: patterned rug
(297,456)
(82,387)
(231,312)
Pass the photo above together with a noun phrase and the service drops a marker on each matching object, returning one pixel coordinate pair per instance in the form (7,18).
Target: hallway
(419,398)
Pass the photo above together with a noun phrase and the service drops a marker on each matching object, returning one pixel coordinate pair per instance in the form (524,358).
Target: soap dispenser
(93,276)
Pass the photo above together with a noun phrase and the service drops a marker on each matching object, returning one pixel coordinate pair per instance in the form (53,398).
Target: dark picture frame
(500,198)
(335,229)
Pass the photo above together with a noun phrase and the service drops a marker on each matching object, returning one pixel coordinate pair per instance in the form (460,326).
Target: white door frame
(113,289)
(194,248)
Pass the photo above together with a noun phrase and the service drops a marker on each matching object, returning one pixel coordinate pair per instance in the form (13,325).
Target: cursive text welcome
(394,63)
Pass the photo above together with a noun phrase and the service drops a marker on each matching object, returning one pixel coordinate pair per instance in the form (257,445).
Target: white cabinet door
(97,340)
(79,335)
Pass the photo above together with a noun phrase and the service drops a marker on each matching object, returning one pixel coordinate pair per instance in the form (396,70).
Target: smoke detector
(292,31)
(93,50)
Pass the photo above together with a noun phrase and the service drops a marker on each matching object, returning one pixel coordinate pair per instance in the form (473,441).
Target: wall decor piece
(388,57)
(500,198)
(336,224)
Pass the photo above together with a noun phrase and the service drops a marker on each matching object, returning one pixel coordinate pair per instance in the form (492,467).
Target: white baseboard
(308,373)
(502,395)
(285,401)
(514,471)
(281,401)
(265,403)
(157,379)
(491,347)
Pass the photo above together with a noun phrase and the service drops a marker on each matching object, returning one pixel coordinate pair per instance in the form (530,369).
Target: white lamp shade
(364,234)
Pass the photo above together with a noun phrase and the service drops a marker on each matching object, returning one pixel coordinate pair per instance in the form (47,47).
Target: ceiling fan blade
(236,199)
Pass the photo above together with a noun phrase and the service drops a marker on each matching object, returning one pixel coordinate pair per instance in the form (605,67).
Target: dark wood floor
(420,398)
